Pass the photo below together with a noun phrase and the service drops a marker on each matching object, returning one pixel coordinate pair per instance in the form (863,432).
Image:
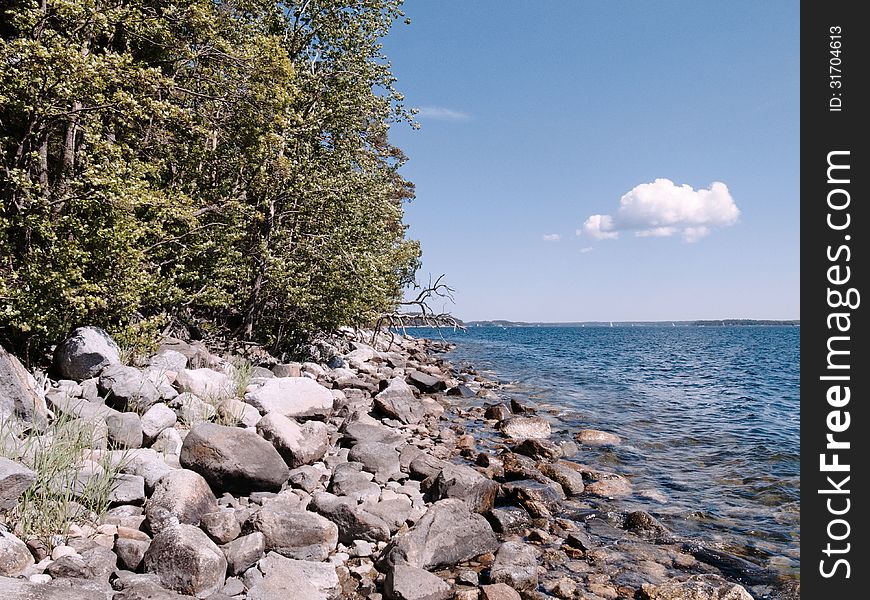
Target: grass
(59,496)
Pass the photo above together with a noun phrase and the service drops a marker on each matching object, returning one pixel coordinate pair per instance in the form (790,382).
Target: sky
(583,160)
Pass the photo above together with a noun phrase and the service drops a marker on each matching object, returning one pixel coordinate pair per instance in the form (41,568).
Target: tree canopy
(217,160)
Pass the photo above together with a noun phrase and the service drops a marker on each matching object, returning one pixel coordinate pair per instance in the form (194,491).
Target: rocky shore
(378,472)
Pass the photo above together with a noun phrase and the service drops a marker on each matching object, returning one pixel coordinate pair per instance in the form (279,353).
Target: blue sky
(537,116)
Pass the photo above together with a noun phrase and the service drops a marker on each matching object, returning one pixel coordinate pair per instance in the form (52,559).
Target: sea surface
(709,418)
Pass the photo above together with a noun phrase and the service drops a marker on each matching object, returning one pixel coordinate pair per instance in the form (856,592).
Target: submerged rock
(695,587)
(525,427)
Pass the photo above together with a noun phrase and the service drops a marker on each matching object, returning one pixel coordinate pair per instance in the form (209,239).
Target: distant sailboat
(611,323)
(673,325)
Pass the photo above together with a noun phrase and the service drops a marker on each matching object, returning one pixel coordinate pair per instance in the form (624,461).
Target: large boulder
(14,481)
(18,394)
(294,533)
(85,353)
(466,484)
(297,444)
(233,459)
(127,388)
(186,561)
(180,496)
(405,582)
(449,533)
(298,397)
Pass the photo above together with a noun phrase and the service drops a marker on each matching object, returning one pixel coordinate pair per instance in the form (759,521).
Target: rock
(18,394)
(497,412)
(516,564)
(509,519)
(377,458)
(182,494)
(233,459)
(466,484)
(517,466)
(130,552)
(127,388)
(449,533)
(426,466)
(14,555)
(127,489)
(405,582)
(353,521)
(288,578)
(287,370)
(294,533)
(92,562)
(695,587)
(570,480)
(85,353)
(645,525)
(298,397)
(124,430)
(614,486)
(525,427)
(191,409)
(349,481)
(206,384)
(60,589)
(536,497)
(221,526)
(156,419)
(499,591)
(232,410)
(461,391)
(307,477)
(544,450)
(426,383)
(360,431)
(186,561)
(594,437)
(297,445)
(243,552)
(15,479)
(398,402)
(146,463)
(393,512)
(168,360)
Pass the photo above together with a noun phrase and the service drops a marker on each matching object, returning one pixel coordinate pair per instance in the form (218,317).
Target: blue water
(709,417)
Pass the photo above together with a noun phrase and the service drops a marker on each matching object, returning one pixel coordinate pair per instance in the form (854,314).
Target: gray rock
(595,437)
(353,521)
(298,397)
(405,582)
(394,512)
(536,497)
(92,562)
(85,353)
(14,555)
(191,409)
(221,526)
(543,450)
(169,360)
(426,466)
(233,459)
(18,394)
(58,589)
(307,477)
(570,480)
(156,419)
(206,384)
(695,587)
(243,552)
(186,561)
(297,444)
(124,430)
(516,564)
(361,431)
(525,427)
(426,383)
(377,458)
(449,533)
(288,578)
(466,484)
(127,489)
(497,412)
(355,484)
(146,463)
(182,494)
(287,370)
(15,479)
(130,552)
(236,411)
(398,402)
(294,533)
(127,388)
(509,519)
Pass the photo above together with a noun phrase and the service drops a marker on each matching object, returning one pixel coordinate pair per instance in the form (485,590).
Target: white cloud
(440,113)
(663,209)
(551,237)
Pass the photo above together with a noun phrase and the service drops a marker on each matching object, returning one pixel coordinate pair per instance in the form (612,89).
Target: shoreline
(403,470)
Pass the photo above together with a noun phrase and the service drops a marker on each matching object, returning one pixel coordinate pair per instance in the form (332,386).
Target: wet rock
(446,535)
(542,450)
(85,353)
(353,521)
(297,444)
(525,427)
(615,486)
(181,496)
(645,525)
(15,557)
(156,419)
(570,480)
(696,587)
(298,397)
(595,437)
(497,412)
(377,458)
(509,519)
(538,498)
(124,430)
(15,479)
(186,561)
(18,394)
(130,552)
(294,533)
(233,459)
(580,540)
(499,591)
(426,383)
(466,484)
(405,582)
(516,564)
(127,388)
(221,526)
(517,466)
(206,384)
(243,552)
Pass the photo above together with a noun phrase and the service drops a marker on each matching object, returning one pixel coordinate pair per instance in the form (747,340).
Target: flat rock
(85,353)
(294,533)
(297,444)
(233,459)
(465,483)
(15,479)
(525,427)
(405,582)
(92,562)
(426,383)
(59,589)
(207,384)
(298,397)
(186,561)
(499,591)
(695,587)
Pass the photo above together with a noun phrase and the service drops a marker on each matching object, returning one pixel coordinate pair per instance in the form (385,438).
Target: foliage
(193,159)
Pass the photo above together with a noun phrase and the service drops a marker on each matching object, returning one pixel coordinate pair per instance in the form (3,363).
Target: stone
(361,431)
(405,582)
(287,370)
(380,459)
(595,437)
(695,587)
(60,589)
(294,533)
(191,409)
(426,383)
(497,412)
(499,591)
(182,494)
(15,557)
(127,489)
(146,463)
(244,551)
(461,391)
(168,442)
(93,561)
(298,397)
(297,444)
(447,534)
(509,519)
(570,480)
(186,561)
(124,430)
(525,427)
(156,419)
(394,512)
(536,497)
(18,395)
(307,477)
(398,402)
(206,384)
(516,564)
(168,360)
(127,388)
(353,521)
(130,552)
(15,479)
(614,486)
(287,578)
(351,482)
(543,450)
(466,484)
(221,526)
(426,466)
(233,459)
(85,353)
(232,410)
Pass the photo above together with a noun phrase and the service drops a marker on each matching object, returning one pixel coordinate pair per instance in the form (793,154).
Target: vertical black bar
(834,221)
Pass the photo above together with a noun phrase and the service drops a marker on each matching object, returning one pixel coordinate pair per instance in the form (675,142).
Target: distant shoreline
(694,323)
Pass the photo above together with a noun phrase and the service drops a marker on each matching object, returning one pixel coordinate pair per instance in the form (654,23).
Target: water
(709,418)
